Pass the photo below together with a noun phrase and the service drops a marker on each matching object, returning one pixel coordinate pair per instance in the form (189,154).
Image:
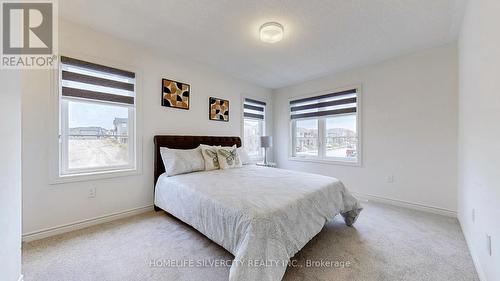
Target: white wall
(10,175)
(479,133)
(409,120)
(47,205)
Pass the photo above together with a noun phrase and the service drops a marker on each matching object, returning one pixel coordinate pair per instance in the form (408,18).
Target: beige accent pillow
(228,157)
(209,154)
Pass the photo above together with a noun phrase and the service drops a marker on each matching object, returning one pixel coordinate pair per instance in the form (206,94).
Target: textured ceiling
(321,36)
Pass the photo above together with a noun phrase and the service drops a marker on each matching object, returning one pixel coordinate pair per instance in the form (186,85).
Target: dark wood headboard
(186,142)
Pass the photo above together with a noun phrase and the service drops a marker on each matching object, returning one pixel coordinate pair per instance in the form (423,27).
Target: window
(325,127)
(97,118)
(253,126)
(306,135)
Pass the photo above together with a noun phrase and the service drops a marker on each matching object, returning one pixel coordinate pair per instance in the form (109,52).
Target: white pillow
(182,161)
(209,154)
(245,159)
(228,157)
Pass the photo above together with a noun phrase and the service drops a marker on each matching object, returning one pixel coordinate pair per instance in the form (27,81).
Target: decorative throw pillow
(209,154)
(228,157)
(245,159)
(182,161)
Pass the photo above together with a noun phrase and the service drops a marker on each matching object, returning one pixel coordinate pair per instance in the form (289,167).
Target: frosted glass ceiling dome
(271,32)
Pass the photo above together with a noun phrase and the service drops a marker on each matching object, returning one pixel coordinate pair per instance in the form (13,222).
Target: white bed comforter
(263,216)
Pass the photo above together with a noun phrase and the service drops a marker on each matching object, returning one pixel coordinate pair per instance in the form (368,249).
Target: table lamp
(266,142)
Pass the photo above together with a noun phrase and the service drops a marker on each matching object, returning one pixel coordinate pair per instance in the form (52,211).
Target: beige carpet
(387,243)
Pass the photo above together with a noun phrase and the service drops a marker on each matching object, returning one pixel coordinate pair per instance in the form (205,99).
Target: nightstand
(269,164)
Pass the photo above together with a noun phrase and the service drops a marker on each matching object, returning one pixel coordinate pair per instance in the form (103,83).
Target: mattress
(262,215)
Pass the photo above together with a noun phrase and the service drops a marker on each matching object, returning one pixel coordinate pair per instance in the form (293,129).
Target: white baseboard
(44,233)
(475,260)
(406,204)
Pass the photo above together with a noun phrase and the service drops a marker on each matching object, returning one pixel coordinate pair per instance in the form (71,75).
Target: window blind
(324,105)
(85,80)
(254,109)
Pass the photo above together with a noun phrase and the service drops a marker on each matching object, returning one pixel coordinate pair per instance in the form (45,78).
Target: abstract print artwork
(218,109)
(175,94)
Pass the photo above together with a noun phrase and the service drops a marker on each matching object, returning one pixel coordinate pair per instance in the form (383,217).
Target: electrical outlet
(390,179)
(473,215)
(92,192)
(488,244)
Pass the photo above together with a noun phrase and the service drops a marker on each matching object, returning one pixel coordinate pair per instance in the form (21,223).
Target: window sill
(93,176)
(325,161)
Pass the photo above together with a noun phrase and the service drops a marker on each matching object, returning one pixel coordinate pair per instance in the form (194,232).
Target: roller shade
(86,80)
(254,109)
(324,105)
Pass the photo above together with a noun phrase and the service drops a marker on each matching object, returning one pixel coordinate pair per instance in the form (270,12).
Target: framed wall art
(175,94)
(218,109)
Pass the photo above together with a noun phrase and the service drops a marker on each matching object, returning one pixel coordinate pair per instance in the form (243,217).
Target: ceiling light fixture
(271,32)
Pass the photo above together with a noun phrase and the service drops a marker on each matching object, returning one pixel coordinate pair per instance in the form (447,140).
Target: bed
(262,215)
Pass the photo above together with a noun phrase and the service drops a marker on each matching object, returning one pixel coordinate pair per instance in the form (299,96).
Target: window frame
(64,152)
(293,135)
(263,126)
(55,140)
(322,158)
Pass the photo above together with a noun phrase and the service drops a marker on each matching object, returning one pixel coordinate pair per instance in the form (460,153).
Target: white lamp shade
(266,141)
